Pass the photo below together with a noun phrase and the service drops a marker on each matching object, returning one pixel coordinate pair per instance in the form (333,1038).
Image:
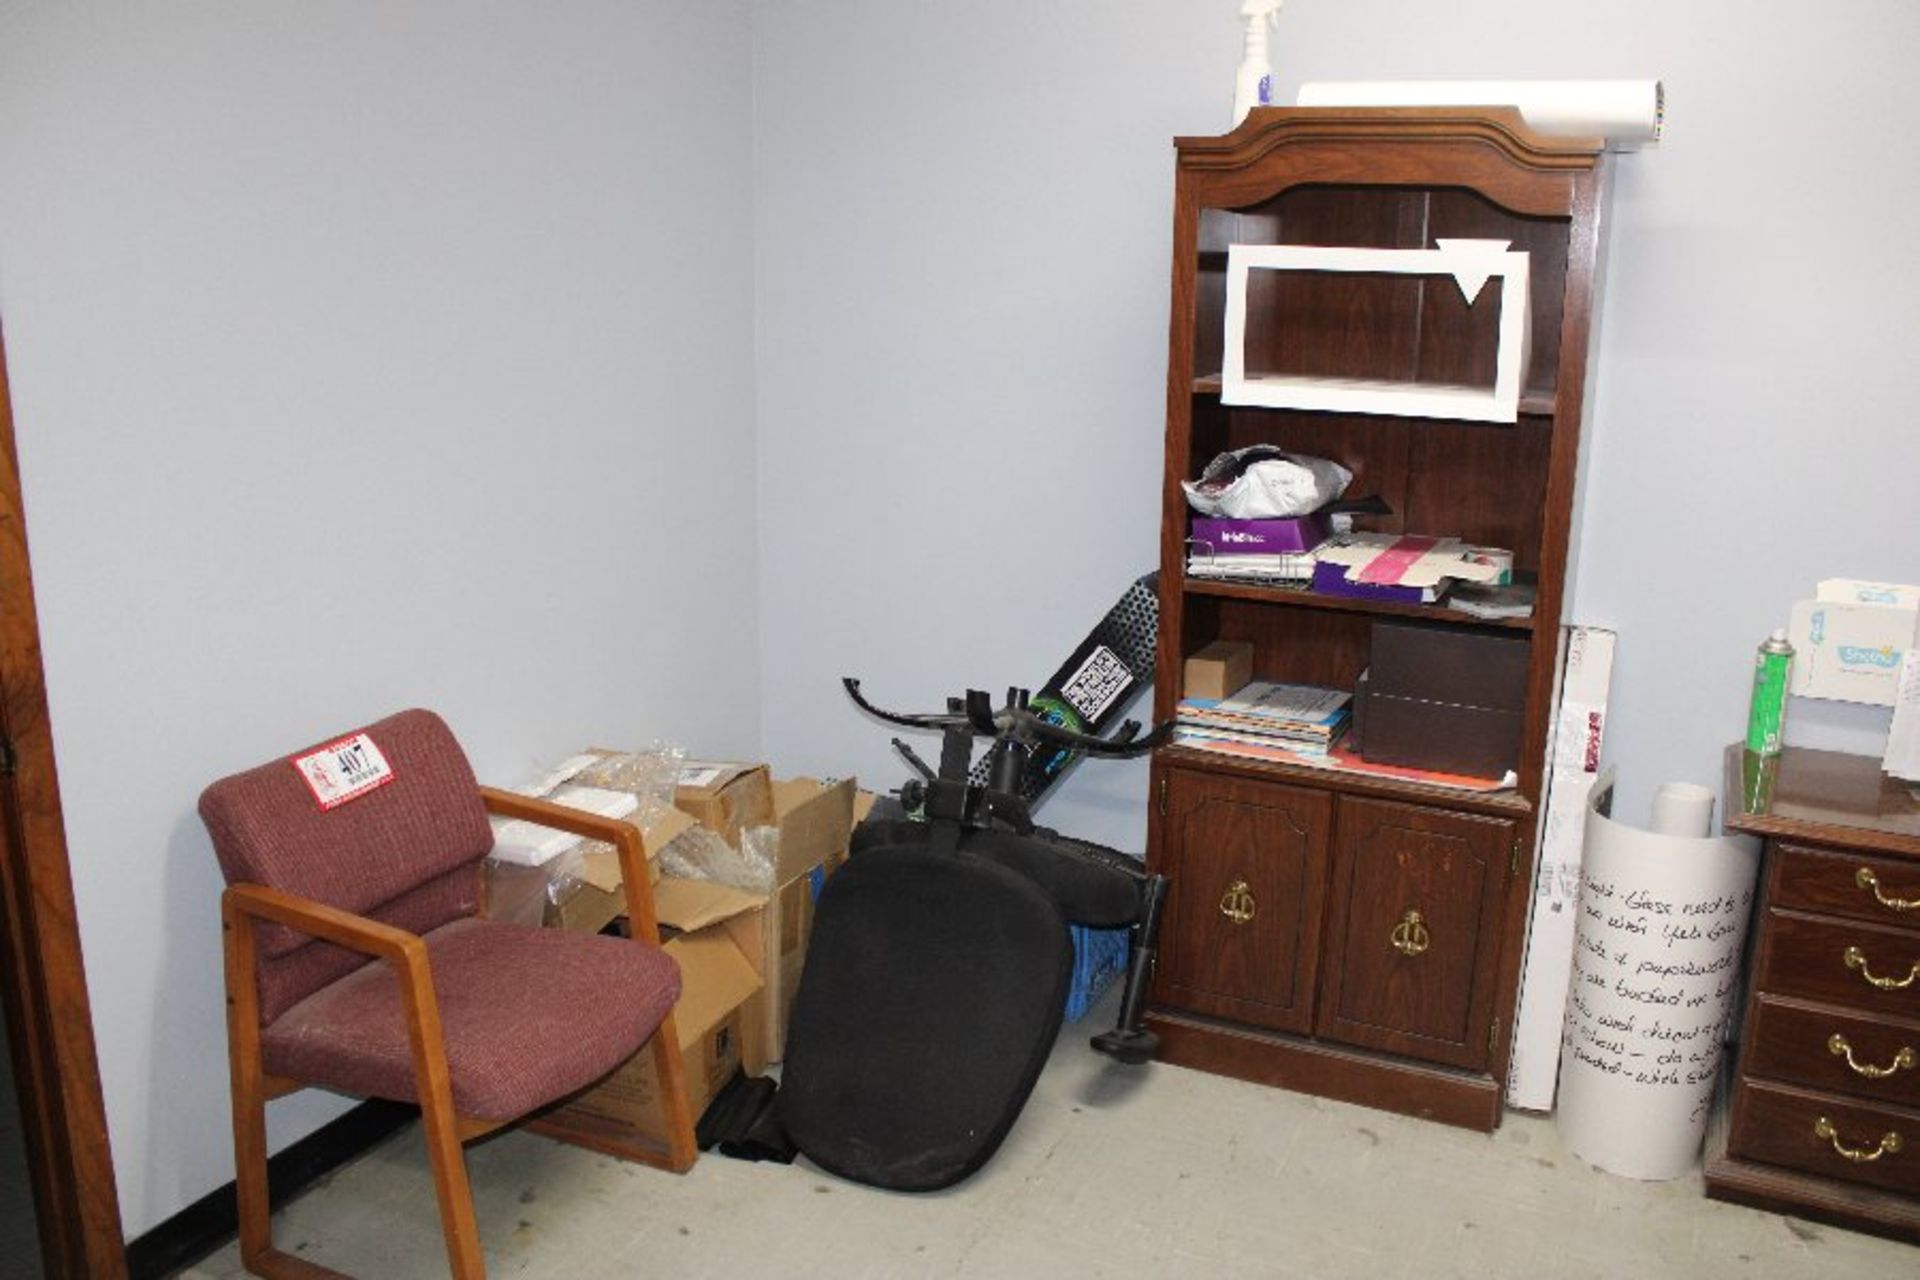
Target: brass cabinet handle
(1902,1061)
(1410,937)
(1237,903)
(1865,878)
(1855,958)
(1890,1142)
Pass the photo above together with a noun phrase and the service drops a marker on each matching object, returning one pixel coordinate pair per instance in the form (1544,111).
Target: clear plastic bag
(646,775)
(700,854)
(649,776)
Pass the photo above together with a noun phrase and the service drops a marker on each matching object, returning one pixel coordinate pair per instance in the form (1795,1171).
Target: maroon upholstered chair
(356,962)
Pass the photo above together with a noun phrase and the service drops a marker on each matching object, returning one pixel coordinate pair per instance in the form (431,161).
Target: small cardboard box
(713,1023)
(725,798)
(1218,671)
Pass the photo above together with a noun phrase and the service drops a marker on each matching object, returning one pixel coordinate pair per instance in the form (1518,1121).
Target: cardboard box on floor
(739,954)
(815,821)
(717,1033)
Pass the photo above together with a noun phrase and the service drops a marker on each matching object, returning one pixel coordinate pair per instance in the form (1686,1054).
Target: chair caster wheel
(1130,1047)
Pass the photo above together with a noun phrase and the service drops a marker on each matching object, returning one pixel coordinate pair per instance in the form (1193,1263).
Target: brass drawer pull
(1889,1143)
(1902,1061)
(1410,937)
(1855,958)
(1865,878)
(1237,903)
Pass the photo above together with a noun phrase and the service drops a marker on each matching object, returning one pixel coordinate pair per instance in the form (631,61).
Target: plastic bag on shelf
(1265,482)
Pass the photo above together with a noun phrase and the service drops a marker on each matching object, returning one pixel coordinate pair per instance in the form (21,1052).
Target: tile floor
(1110,1171)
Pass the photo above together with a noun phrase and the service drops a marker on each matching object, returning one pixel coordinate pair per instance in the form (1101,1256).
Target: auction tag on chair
(344,770)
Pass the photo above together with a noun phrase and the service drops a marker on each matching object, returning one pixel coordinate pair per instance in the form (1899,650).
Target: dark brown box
(1442,698)
(1477,741)
(1449,664)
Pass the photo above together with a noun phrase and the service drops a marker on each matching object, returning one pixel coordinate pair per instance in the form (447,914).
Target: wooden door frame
(44,988)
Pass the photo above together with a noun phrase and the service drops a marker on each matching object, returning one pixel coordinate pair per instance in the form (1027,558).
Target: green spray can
(1767,713)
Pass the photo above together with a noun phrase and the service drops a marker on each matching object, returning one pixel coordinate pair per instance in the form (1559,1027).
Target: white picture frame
(1471,263)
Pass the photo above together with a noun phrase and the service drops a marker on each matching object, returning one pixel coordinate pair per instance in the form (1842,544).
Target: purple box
(1224,537)
(1331,579)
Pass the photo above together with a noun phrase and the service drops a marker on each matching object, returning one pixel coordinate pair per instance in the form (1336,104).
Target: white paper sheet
(1656,977)
(1627,113)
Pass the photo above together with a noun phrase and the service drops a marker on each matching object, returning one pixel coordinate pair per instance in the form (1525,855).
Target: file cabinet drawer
(1836,1051)
(1829,1137)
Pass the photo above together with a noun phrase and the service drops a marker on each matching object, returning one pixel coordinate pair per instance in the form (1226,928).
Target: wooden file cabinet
(1823,1114)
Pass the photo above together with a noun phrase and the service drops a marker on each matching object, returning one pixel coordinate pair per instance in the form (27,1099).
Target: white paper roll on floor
(1683,809)
(1656,972)
(1627,113)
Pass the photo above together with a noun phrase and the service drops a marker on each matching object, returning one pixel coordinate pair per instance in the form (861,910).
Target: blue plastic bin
(1099,956)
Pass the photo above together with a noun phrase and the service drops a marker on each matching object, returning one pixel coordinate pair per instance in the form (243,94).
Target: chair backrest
(399,844)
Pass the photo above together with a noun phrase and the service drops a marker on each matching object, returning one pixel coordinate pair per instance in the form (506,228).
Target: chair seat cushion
(529,1015)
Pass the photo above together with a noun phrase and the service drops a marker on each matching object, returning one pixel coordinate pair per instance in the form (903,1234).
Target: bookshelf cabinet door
(1414,930)
(1247,860)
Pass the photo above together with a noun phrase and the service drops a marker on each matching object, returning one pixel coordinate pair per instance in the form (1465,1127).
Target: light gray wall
(963,221)
(364,355)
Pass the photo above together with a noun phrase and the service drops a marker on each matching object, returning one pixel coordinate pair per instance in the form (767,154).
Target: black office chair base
(1132,1047)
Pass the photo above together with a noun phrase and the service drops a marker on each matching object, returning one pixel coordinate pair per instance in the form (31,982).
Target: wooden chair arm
(624,836)
(329,924)
(406,952)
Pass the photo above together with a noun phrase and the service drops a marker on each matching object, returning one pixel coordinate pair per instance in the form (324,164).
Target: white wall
(963,220)
(364,355)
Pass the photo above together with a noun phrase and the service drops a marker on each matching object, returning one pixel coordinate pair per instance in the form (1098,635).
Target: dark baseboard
(213,1219)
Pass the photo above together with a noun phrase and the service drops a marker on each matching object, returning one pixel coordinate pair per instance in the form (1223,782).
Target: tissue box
(1849,640)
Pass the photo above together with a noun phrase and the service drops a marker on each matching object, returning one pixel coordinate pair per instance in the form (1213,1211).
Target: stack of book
(1255,550)
(1266,718)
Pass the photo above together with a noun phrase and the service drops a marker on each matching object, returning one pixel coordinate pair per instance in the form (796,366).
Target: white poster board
(1656,979)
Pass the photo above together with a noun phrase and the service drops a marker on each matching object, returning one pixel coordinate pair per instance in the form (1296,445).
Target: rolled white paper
(1683,809)
(1627,113)
(1656,974)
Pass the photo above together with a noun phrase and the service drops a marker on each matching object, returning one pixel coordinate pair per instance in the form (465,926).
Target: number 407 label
(344,770)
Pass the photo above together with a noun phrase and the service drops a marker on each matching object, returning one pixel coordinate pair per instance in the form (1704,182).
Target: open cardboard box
(588,897)
(717,1033)
(815,821)
(739,954)
(724,797)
